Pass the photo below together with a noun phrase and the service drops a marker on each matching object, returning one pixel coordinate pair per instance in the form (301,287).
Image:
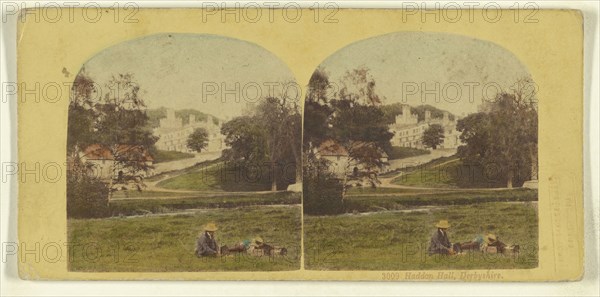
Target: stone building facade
(408,130)
(173,134)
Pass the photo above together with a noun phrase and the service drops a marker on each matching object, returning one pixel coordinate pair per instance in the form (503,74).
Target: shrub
(87,197)
(322,192)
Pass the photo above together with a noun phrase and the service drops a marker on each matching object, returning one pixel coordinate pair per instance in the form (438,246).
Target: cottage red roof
(332,148)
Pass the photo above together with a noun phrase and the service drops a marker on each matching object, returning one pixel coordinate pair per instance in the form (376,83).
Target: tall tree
(317,112)
(358,86)
(433,136)
(198,140)
(117,123)
(80,128)
(504,136)
(350,115)
(281,121)
(246,139)
(271,133)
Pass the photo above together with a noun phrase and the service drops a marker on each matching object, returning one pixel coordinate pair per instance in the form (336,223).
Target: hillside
(449,172)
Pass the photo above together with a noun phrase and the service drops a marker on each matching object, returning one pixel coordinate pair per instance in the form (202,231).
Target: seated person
(206,245)
(440,244)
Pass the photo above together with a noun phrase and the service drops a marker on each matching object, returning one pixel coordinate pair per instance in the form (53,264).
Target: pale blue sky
(172,69)
(399,61)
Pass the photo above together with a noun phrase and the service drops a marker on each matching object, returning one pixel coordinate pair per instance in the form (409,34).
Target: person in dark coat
(207,246)
(440,244)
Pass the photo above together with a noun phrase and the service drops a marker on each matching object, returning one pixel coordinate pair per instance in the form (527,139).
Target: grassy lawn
(399,240)
(199,166)
(447,172)
(166,243)
(145,206)
(444,198)
(166,156)
(405,152)
(214,177)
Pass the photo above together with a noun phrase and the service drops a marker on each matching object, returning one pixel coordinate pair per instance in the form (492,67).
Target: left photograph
(184,154)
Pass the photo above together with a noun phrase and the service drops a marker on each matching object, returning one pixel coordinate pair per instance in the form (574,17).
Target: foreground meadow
(398,240)
(164,243)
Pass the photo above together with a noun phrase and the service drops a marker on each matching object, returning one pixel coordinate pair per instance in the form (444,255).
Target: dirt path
(421,159)
(195,194)
(185,163)
(181,165)
(153,185)
(193,211)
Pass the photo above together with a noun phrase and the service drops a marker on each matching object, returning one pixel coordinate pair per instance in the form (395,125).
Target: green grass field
(406,152)
(166,243)
(167,156)
(213,176)
(447,172)
(399,240)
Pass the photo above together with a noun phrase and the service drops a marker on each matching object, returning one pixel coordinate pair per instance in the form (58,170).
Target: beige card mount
(311,144)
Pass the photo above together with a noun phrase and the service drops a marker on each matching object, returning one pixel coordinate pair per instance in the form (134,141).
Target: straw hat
(443,224)
(211,227)
(258,239)
(490,238)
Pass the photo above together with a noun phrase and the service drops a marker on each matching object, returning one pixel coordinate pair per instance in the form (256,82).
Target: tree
(504,137)
(198,140)
(117,123)
(353,122)
(282,123)
(246,140)
(352,117)
(358,86)
(317,112)
(80,128)
(318,86)
(433,136)
(271,133)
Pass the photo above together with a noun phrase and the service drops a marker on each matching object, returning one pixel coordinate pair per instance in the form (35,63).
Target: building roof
(331,148)
(132,152)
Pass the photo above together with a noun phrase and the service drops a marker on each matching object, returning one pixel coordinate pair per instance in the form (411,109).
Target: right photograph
(420,152)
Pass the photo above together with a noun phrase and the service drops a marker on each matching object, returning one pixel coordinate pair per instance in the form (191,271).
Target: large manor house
(408,130)
(173,133)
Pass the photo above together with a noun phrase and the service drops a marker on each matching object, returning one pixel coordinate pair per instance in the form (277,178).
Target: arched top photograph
(413,126)
(171,123)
